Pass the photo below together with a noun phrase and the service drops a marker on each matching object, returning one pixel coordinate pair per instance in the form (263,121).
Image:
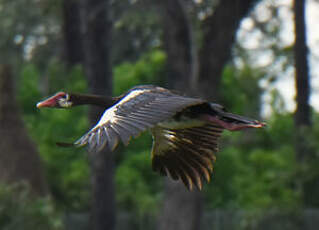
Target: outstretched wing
(139,110)
(186,154)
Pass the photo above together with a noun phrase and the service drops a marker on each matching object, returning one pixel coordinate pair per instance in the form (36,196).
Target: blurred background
(258,58)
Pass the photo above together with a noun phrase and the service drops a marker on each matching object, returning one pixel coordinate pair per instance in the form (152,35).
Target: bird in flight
(185,130)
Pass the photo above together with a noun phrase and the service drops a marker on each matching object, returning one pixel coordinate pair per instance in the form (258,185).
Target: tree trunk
(19,159)
(96,46)
(302,79)
(305,154)
(219,36)
(182,209)
(179,45)
(72,32)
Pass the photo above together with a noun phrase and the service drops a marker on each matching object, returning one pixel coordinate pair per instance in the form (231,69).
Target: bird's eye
(64,101)
(65,97)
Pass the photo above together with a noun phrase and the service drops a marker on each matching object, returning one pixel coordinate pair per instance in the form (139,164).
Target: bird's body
(185,130)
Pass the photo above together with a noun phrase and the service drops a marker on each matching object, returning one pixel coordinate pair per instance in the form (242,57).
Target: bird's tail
(231,121)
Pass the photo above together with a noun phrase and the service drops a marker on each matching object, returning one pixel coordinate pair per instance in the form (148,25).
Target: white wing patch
(109,115)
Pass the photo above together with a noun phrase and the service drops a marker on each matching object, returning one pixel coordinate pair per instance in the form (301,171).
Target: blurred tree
(182,209)
(29,31)
(136,29)
(20,209)
(19,160)
(67,169)
(72,32)
(302,115)
(179,45)
(219,34)
(97,28)
(304,151)
(258,169)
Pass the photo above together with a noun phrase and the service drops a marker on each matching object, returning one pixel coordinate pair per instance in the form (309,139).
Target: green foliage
(240,90)
(255,168)
(67,168)
(28,27)
(271,173)
(28,89)
(21,210)
(136,30)
(137,186)
(147,70)
(249,175)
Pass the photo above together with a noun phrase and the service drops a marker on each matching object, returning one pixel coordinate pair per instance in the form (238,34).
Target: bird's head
(59,100)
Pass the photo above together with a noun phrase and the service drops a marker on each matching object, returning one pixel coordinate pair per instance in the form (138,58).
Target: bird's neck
(85,99)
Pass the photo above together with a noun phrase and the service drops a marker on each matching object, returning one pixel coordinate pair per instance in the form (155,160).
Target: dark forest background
(231,52)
